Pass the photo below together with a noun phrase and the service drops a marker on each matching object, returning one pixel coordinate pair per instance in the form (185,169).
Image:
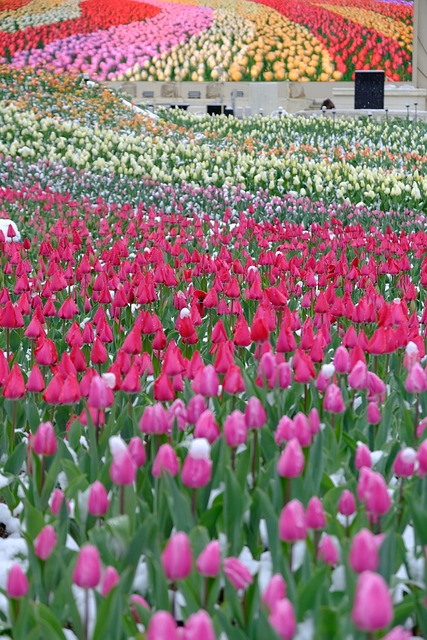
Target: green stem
(254,458)
(122,500)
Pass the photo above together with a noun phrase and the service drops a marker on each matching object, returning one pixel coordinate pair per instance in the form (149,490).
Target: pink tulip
(235,429)
(44,440)
(196,406)
(208,562)
(136,599)
(416,380)
(197,469)
(17,582)
(206,382)
(398,633)
(255,414)
(373,413)
(363,456)
(122,469)
(166,460)
(110,580)
(154,420)
(275,591)
(292,523)
(98,502)
(239,575)
(87,571)
(372,490)
(347,503)
(291,461)
(45,542)
(341,360)
(364,551)
(314,421)
(327,550)
(176,557)
(56,501)
(282,619)
(358,377)
(206,427)
(372,608)
(315,516)
(422,459)
(404,463)
(284,375)
(162,627)
(333,400)
(137,451)
(199,625)
(100,393)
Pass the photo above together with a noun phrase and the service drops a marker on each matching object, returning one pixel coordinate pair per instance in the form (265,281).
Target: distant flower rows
(265,41)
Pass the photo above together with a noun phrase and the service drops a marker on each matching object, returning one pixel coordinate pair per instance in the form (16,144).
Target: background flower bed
(268,41)
(287,329)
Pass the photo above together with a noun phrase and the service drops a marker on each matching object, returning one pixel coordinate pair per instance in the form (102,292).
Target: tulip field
(212,368)
(264,40)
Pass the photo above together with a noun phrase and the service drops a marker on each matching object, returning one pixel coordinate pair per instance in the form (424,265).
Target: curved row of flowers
(176,41)
(28,136)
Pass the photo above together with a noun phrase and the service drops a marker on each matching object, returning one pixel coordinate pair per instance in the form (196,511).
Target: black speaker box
(369,90)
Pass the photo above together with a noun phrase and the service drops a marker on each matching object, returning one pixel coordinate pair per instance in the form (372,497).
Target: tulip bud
(137,451)
(45,542)
(282,619)
(17,582)
(139,600)
(315,516)
(162,627)
(56,501)
(398,633)
(341,360)
(422,459)
(292,523)
(404,464)
(122,469)
(196,406)
(291,461)
(110,580)
(208,562)
(363,456)
(358,377)
(275,591)
(100,393)
(44,441)
(347,503)
(176,557)
(364,551)
(199,625)
(372,608)
(197,468)
(333,400)
(98,502)
(238,574)
(327,550)
(206,427)
(235,429)
(373,413)
(154,420)
(87,572)
(416,381)
(255,414)
(165,461)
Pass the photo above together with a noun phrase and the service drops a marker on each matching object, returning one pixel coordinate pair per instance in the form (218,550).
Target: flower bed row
(239,41)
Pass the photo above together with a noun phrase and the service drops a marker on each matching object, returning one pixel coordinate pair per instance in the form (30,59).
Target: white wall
(420,44)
